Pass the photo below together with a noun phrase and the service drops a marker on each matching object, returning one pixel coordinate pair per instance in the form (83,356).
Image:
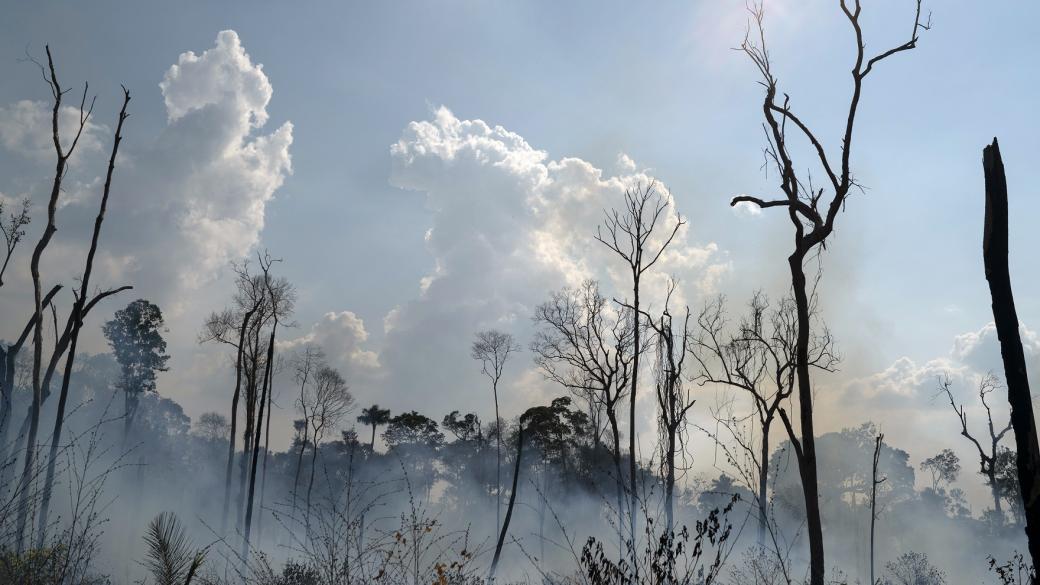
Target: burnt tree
(995,257)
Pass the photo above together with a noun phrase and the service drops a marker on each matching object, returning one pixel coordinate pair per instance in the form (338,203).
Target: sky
(426,170)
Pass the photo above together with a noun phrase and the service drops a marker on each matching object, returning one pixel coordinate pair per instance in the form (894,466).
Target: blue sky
(590,80)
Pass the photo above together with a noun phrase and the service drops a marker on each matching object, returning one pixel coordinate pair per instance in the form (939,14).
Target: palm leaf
(170,558)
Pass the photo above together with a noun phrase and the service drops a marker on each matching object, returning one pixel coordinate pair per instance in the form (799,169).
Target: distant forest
(103,479)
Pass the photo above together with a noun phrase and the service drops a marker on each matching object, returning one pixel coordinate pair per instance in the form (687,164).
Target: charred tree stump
(995,257)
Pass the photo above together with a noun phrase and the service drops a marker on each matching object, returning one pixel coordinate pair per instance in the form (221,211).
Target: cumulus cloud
(509,225)
(183,205)
(342,336)
(907,384)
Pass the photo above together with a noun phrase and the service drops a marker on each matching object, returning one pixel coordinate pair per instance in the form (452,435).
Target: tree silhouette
(987,454)
(492,349)
(998,276)
(629,233)
(812,223)
(135,336)
(374,417)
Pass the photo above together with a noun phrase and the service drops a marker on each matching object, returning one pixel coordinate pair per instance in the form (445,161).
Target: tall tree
(757,357)
(813,219)
(305,364)
(328,400)
(875,481)
(492,349)
(231,327)
(998,275)
(629,233)
(135,336)
(674,400)
(62,156)
(374,417)
(76,320)
(281,298)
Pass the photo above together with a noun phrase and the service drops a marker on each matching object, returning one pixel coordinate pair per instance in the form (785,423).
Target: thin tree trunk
(994,490)
(807,462)
(256,445)
(7,390)
(763,485)
(498,461)
(874,482)
(299,461)
(669,486)
(619,484)
(267,450)
(512,501)
(310,483)
(634,494)
(34,269)
(234,416)
(995,256)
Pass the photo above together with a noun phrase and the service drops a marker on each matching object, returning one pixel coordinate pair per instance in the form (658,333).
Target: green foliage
(171,558)
(135,336)
(412,429)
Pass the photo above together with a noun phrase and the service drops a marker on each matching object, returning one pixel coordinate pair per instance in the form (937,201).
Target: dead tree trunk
(76,319)
(62,156)
(10,355)
(234,413)
(995,257)
(874,483)
(256,445)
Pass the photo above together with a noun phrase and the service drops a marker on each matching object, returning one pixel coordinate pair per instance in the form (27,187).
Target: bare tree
(305,364)
(813,218)
(987,455)
(230,327)
(758,358)
(998,275)
(62,155)
(591,354)
(327,401)
(9,364)
(629,233)
(76,320)
(281,298)
(492,349)
(674,399)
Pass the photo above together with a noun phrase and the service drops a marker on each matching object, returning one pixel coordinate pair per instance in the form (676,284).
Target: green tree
(135,336)
(374,417)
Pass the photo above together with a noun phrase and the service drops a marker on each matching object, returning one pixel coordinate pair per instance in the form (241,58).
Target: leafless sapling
(492,349)
(629,233)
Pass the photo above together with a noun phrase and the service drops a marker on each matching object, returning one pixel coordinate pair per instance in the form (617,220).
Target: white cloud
(25,128)
(220,76)
(624,163)
(509,225)
(181,207)
(342,337)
